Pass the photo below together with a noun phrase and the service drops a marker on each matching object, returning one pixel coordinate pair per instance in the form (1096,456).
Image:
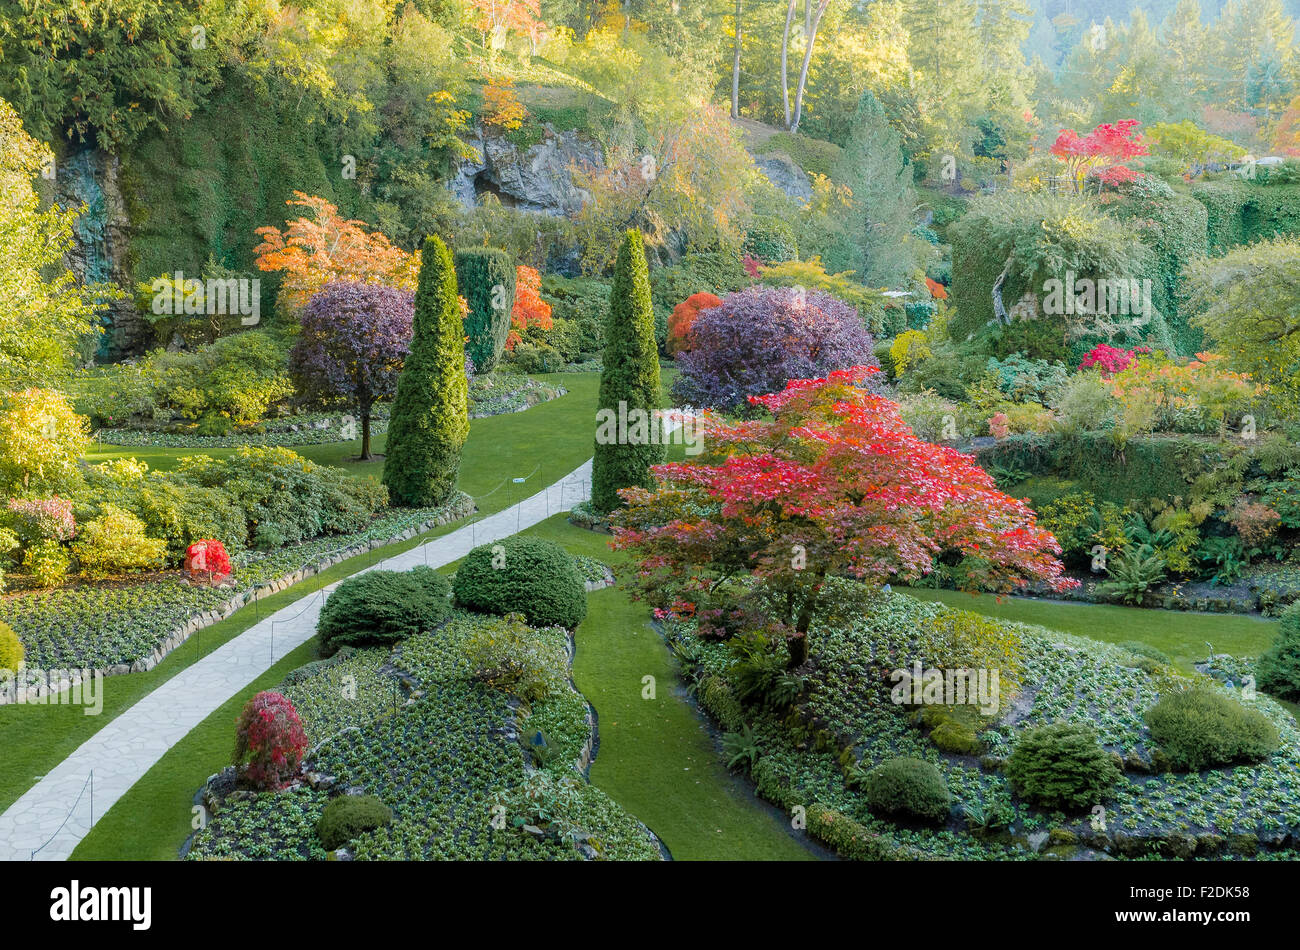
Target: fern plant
(1134,571)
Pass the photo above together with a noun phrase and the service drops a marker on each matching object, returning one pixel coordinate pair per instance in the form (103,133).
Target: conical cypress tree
(630,377)
(430,417)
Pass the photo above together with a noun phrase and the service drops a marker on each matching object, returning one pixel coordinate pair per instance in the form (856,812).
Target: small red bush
(269,741)
(683,318)
(207,557)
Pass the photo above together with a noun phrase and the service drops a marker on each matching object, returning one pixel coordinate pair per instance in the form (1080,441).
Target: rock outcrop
(538,179)
(100,252)
(782,171)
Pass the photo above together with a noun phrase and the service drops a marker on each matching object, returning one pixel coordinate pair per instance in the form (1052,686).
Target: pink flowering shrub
(1111,360)
(269,741)
(43,519)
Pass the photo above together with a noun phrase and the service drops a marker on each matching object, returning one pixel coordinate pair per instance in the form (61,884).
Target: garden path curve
(55,814)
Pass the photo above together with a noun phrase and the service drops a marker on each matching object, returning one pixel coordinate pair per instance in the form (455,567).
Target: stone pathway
(56,813)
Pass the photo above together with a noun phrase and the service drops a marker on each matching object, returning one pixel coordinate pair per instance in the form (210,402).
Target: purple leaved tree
(354,340)
(760,338)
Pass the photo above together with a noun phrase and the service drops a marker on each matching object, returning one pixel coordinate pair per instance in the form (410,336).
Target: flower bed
(844,719)
(130,629)
(450,756)
(492,395)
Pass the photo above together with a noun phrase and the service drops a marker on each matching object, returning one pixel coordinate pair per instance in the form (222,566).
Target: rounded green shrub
(955,737)
(772,240)
(531,576)
(349,816)
(909,787)
(11,649)
(1062,765)
(383,607)
(1203,727)
(1278,669)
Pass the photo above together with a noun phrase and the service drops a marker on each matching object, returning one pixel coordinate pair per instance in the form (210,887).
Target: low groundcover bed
(812,739)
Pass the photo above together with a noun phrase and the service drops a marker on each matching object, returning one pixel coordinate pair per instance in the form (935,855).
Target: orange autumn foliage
(530,309)
(683,319)
(501,105)
(312,251)
(937,290)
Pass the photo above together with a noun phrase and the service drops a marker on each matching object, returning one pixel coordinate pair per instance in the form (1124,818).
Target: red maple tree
(683,318)
(530,309)
(1101,152)
(834,483)
(327,247)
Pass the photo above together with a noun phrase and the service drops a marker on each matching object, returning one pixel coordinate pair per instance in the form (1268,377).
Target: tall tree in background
(739,37)
(814,20)
(430,417)
(883,199)
(629,382)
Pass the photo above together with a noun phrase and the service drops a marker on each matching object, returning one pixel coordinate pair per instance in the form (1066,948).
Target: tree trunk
(785,47)
(365,434)
(798,642)
(999,308)
(735,67)
(807,58)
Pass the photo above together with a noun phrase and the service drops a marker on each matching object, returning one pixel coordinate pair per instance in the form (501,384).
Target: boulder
(782,171)
(537,179)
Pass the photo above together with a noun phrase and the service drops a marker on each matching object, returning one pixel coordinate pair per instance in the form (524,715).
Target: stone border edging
(456,510)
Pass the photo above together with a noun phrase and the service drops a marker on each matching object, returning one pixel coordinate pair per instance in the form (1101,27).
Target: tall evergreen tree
(630,377)
(430,417)
(880,217)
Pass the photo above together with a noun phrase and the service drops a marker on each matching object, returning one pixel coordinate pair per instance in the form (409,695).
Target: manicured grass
(1180,634)
(153,819)
(656,758)
(557,435)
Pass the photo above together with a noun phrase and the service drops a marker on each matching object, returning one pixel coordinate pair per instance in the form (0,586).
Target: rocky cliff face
(100,252)
(537,179)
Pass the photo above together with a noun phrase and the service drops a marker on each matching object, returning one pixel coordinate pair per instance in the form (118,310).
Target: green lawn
(1180,634)
(656,758)
(557,435)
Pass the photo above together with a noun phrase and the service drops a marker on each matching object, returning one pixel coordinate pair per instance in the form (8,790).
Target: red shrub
(683,319)
(269,741)
(207,557)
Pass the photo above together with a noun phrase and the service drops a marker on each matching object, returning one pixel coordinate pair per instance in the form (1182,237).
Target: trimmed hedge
(910,787)
(531,576)
(1161,466)
(486,277)
(1062,765)
(350,816)
(383,607)
(1202,728)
